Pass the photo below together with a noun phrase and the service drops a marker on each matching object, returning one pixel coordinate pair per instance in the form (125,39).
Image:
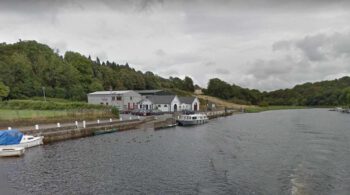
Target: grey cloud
(160,53)
(203,5)
(210,63)
(281,45)
(312,46)
(222,71)
(318,47)
(262,69)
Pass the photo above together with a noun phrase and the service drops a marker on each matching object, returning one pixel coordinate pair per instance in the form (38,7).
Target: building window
(130,97)
(119,98)
(113,98)
(165,105)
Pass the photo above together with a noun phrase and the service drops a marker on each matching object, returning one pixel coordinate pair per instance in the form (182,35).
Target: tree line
(324,93)
(28,69)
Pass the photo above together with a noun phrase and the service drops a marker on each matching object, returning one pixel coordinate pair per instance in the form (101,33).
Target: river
(275,152)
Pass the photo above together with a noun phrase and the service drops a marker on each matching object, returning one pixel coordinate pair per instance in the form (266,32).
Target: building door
(128,106)
(146,106)
(175,107)
(195,107)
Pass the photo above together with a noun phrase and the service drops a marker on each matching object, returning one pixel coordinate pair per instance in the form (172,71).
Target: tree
(4,90)
(188,84)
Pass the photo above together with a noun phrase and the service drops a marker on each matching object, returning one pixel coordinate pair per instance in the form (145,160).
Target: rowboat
(11,151)
(105,131)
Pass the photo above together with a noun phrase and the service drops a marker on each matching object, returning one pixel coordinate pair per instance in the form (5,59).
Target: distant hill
(28,67)
(324,93)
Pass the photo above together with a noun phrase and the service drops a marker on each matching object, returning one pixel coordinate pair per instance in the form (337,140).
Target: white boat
(11,151)
(192,119)
(14,138)
(29,141)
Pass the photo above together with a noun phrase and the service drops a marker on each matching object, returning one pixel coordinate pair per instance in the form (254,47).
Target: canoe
(11,151)
(165,127)
(105,131)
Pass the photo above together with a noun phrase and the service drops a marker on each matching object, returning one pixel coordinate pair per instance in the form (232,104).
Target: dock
(61,132)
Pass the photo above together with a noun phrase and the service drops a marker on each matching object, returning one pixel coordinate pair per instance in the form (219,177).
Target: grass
(253,109)
(28,114)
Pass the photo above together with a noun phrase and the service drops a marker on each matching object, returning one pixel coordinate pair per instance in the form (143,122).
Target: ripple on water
(280,152)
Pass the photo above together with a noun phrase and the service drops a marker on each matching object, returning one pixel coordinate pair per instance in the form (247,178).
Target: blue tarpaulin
(10,137)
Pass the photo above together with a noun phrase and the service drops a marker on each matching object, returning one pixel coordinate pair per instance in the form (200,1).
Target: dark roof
(148,91)
(161,99)
(187,100)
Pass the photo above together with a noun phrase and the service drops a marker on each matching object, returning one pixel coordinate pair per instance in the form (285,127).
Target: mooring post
(110,120)
(120,118)
(36,127)
(84,124)
(76,124)
(9,128)
(58,125)
(98,121)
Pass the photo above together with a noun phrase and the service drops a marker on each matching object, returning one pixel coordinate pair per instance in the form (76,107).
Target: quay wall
(73,132)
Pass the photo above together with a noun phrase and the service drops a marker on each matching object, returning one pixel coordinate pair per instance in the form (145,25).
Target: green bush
(263,104)
(115,111)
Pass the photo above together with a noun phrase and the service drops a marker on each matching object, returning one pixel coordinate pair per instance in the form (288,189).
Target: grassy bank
(253,109)
(6,114)
(28,112)
(47,105)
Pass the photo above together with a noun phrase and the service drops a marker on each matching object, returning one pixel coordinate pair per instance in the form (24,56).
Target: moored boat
(29,141)
(192,119)
(105,131)
(14,138)
(11,151)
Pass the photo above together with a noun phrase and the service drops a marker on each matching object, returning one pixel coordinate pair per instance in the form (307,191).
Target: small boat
(14,138)
(192,119)
(105,131)
(11,151)
(166,126)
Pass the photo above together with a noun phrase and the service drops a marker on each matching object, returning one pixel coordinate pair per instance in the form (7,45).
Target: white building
(145,104)
(124,100)
(164,103)
(189,103)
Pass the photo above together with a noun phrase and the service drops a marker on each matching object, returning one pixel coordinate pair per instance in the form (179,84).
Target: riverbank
(254,109)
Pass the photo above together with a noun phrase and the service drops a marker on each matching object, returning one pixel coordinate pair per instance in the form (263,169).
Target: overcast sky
(263,44)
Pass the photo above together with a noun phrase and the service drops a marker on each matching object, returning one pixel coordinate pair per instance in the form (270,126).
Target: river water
(274,152)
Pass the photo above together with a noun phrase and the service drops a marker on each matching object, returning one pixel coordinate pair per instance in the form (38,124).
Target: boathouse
(124,100)
(189,103)
(164,103)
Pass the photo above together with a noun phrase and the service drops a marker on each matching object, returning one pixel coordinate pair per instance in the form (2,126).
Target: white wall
(130,97)
(196,100)
(146,104)
(177,102)
(163,107)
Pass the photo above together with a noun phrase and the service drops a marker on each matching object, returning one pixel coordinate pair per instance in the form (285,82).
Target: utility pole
(44,94)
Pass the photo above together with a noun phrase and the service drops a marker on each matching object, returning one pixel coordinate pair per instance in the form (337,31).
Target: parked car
(187,112)
(156,112)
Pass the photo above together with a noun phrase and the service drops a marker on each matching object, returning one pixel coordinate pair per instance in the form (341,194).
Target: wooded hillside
(27,66)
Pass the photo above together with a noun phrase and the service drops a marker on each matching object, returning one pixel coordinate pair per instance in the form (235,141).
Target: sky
(261,44)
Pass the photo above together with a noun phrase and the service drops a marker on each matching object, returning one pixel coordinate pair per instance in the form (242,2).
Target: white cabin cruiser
(14,138)
(192,119)
(11,151)
(29,141)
